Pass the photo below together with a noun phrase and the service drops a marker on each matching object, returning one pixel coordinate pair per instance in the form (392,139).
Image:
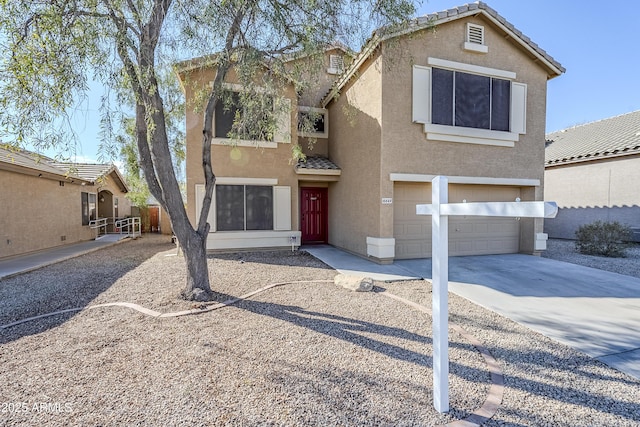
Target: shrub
(603,238)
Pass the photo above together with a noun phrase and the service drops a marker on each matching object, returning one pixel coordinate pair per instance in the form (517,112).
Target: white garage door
(470,235)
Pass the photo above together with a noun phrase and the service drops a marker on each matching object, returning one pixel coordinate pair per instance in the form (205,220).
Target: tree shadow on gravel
(549,371)
(70,284)
(342,395)
(351,331)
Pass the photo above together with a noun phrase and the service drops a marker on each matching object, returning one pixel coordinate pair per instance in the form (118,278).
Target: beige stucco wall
(165,223)
(228,161)
(38,213)
(106,208)
(606,190)
(355,133)
(384,140)
(318,79)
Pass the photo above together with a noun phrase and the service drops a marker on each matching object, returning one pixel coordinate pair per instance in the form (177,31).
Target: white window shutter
(212,209)
(282,208)
(283,121)
(421,95)
(199,198)
(518,108)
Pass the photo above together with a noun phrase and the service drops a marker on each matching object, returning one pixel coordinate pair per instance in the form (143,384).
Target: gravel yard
(564,250)
(295,355)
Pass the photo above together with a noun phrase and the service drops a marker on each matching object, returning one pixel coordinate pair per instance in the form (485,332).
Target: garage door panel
(467,235)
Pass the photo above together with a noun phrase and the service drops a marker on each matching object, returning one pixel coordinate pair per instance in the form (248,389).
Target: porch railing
(98,224)
(132,227)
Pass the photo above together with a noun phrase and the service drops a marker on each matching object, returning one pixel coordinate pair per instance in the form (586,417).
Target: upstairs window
(459,102)
(313,122)
(269,120)
(470,100)
(231,110)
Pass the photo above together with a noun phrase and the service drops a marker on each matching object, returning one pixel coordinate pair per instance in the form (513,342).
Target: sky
(594,40)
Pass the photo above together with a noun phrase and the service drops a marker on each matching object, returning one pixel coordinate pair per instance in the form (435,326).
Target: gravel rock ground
(300,354)
(565,250)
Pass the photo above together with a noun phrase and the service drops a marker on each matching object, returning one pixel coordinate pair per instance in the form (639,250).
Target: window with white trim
(470,104)
(313,122)
(244,207)
(241,204)
(469,100)
(89,211)
(262,129)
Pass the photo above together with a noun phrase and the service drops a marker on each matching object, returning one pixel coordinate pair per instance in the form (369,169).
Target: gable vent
(475,38)
(475,34)
(336,64)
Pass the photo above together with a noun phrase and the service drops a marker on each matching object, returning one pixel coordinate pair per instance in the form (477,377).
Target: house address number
(387,200)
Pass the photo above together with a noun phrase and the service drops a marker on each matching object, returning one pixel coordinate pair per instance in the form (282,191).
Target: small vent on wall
(63,238)
(475,34)
(336,64)
(475,38)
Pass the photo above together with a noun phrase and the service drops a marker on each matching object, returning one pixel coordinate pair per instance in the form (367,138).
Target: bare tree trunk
(197,287)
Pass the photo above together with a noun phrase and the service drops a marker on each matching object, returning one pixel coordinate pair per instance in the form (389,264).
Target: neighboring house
(593,172)
(460,93)
(154,219)
(44,203)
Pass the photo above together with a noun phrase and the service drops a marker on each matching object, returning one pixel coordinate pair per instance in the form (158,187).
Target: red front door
(313,215)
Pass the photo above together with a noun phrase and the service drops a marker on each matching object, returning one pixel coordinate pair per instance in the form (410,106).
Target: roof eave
(122,183)
(426,23)
(25,170)
(573,161)
(556,70)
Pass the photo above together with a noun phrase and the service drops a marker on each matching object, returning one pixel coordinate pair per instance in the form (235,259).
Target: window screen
(473,100)
(230,207)
(225,114)
(500,104)
(93,212)
(470,100)
(259,207)
(316,120)
(240,207)
(84,200)
(442,97)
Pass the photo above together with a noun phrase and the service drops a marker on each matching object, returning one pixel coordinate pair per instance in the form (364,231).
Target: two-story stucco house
(460,93)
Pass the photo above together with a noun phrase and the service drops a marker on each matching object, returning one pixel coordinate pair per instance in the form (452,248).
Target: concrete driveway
(591,310)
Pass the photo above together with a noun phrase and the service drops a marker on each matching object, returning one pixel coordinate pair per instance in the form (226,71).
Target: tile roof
(438,18)
(616,136)
(31,163)
(317,163)
(472,8)
(28,160)
(87,171)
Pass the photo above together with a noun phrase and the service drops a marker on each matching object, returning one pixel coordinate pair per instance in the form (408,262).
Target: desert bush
(603,238)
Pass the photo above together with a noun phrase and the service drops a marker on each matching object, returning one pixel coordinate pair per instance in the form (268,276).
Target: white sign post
(440,209)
